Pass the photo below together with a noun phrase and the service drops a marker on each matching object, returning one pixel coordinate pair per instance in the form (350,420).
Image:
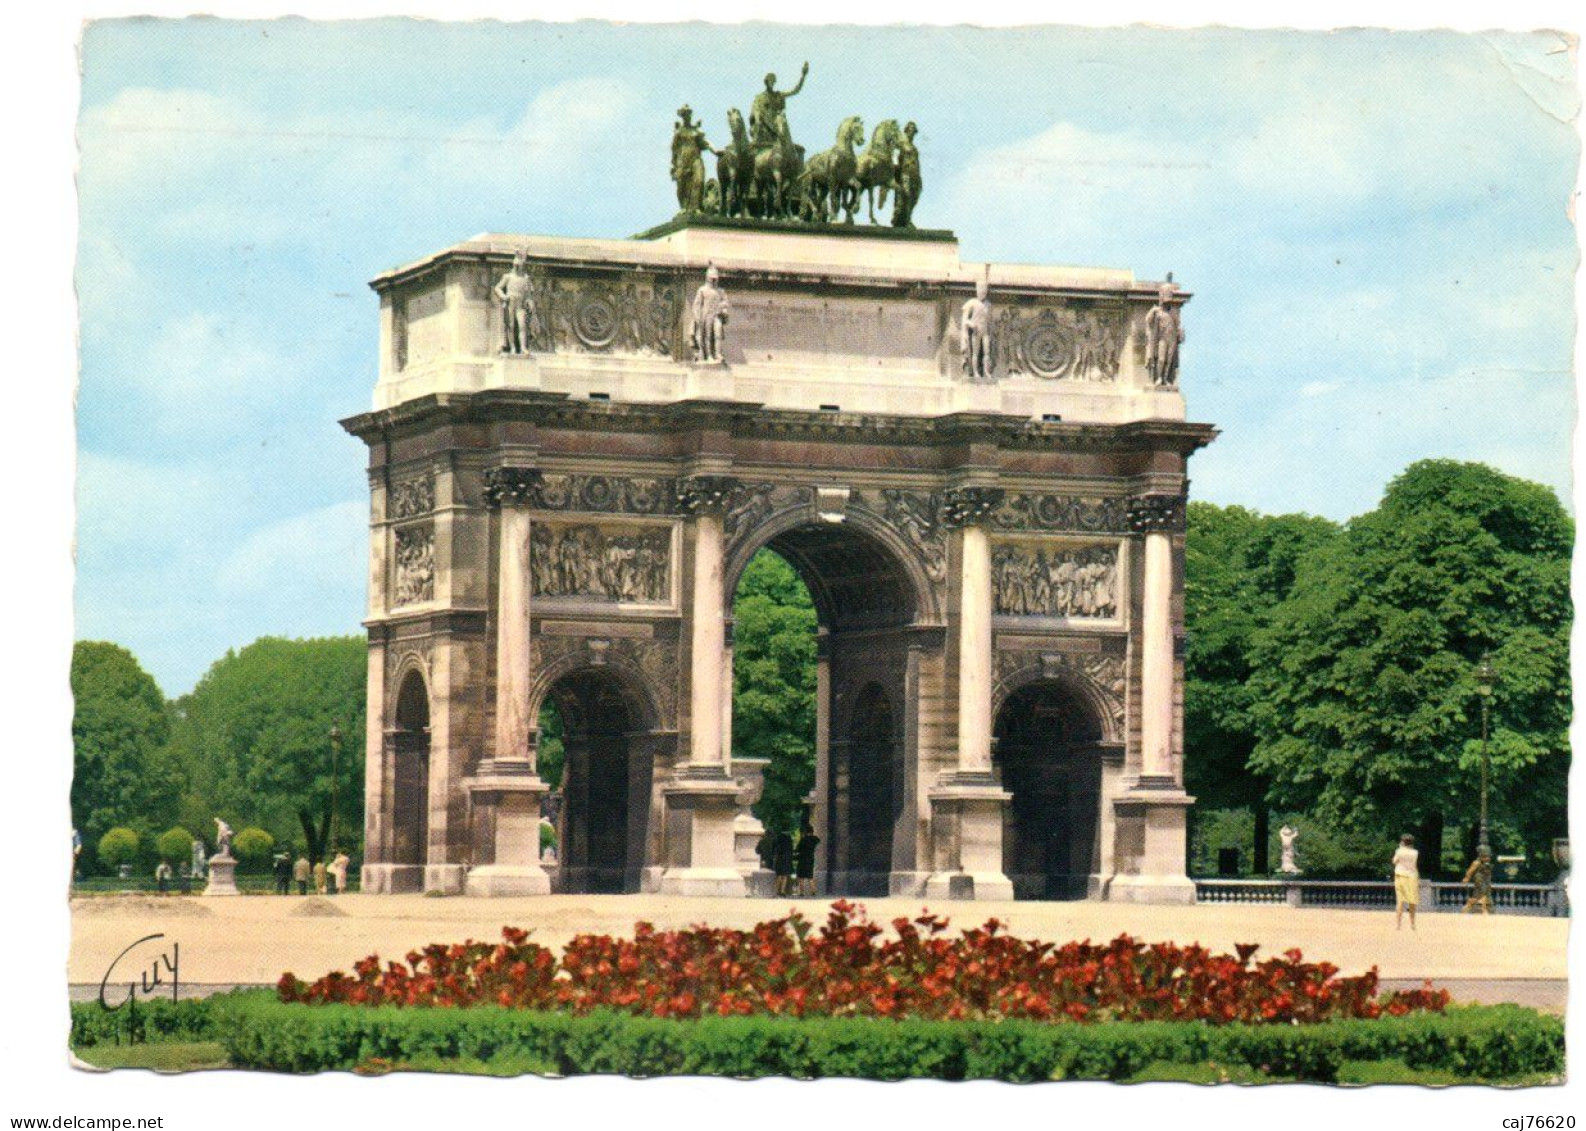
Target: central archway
(1048,750)
(605,787)
(867,594)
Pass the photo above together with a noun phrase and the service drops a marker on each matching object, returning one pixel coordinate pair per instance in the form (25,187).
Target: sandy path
(252,939)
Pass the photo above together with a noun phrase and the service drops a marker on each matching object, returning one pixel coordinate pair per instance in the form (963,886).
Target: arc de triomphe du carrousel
(978,469)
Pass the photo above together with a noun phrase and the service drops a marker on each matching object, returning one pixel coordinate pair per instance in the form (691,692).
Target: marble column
(967,805)
(1149,851)
(509,783)
(701,798)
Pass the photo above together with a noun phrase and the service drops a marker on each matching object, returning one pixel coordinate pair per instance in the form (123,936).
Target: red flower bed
(848,968)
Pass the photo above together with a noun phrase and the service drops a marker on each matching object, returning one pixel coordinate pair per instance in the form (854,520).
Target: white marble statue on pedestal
(708,318)
(1288,835)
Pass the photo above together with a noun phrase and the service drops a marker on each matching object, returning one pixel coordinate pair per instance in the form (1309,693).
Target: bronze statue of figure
(517,307)
(877,170)
(735,168)
(777,170)
(832,176)
(1164,333)
(907,182)
(768,106)
(688,161)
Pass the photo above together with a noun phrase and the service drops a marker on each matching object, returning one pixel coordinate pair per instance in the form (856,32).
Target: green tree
(118,846)
(120,723)
(174,845)
(773,712)
(1366,707)
(253,846)
(1239,566)
(254,738)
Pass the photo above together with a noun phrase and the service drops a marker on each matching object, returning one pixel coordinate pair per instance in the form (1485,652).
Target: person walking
(805,865)
(283,873)
(300,873)
(782,862)
(1406,881)
(338,871)
(320,875)
(162,876)
(1479,877)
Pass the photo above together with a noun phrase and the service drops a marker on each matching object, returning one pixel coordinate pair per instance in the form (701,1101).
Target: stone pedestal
(391,879)
(1151,829)
(966,814)
(701,808)
(513,790)
(222,876)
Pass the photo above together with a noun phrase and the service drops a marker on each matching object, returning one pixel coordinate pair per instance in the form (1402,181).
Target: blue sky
(1375,226)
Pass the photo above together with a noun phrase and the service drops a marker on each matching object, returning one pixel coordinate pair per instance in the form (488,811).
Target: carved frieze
(648,666)
(751,504)
(634,315)
(1027,512)
(589,561)
(414,582)
(512,486)
(1068,343)
(606,494)
(706,494)
(1056,581)
(411,498)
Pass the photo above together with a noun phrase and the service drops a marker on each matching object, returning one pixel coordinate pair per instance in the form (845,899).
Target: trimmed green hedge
(157,1019)
(1490,1042)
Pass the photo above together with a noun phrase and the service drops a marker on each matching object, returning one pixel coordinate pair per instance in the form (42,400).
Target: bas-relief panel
(1064,581)
(630,564)
(414,559)
(1060,343)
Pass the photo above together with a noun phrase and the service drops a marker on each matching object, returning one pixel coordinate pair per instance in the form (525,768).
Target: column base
(976,886)
(701,808)
(392,879)
(444,879)
(222,876)
(494,881)
(1150,849)
(907,885)
(966,819)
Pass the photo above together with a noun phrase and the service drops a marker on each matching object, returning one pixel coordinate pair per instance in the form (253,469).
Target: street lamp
(335,760)
(1486,677)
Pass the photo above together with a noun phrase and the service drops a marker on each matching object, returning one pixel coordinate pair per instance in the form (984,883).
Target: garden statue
(517,307)
(708,318)
(1164,334)
(1479,877)
(688,161)
(1288,834)
(974,334)
(907,184)
(768,106)
(222,838)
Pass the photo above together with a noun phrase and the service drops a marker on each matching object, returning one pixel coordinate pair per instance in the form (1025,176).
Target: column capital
(969,506)
(705,494)
(1156,514)
(512,486)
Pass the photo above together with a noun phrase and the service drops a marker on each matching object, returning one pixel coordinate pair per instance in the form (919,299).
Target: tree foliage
(1364,698)
(773,713)
(253,738)
(117,847)
(120,775)
(174,845)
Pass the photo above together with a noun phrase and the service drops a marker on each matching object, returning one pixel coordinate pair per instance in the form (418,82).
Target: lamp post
(1486,677)
(335,762)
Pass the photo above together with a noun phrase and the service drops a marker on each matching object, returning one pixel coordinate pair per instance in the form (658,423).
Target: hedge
(1482,1042)
(155,1019)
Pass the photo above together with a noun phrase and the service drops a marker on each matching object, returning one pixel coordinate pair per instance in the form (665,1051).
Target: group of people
(1407,882)
(328,879)
(792,861)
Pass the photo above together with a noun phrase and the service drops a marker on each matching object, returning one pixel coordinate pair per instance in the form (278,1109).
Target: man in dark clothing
(808,843)
(283,873)
(782,862)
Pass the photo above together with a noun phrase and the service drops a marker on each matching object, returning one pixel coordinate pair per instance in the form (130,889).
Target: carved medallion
(1019,511)
(595,321)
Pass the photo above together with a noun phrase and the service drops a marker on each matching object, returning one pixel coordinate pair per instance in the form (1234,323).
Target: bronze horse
(831,176)
(878,165)
(735,168)
(777,169)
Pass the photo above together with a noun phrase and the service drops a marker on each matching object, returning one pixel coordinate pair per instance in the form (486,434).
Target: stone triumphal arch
(569,472)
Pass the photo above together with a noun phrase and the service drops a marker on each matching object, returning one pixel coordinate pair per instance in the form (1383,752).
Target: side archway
(410,771)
